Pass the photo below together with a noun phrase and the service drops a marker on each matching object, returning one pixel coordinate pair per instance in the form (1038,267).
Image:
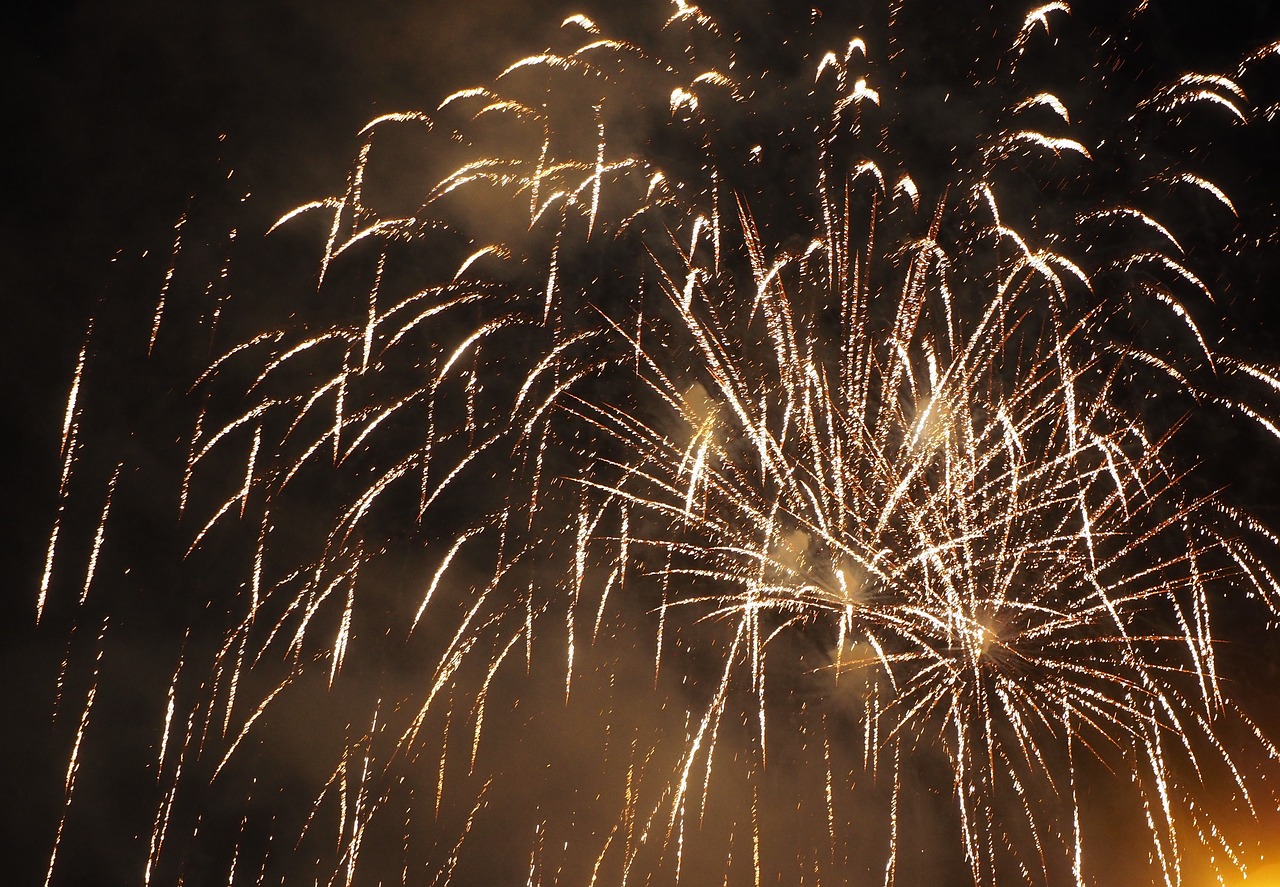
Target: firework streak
(722,476)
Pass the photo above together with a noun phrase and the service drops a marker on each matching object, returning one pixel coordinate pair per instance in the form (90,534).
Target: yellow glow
(1264,875)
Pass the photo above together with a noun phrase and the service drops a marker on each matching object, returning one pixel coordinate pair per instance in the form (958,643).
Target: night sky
(125,115)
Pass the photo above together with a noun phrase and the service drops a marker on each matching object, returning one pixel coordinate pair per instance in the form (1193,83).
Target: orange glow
(1259,875)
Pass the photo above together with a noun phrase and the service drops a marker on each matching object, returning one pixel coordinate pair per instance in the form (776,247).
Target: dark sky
(121,115)
(116,113)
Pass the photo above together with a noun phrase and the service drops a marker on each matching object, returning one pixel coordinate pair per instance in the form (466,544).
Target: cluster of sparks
(805,494)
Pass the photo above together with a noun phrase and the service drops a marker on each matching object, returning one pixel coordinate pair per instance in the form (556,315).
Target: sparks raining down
(723,476)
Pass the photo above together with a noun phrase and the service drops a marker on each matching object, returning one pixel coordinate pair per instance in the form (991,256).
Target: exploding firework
(727,473)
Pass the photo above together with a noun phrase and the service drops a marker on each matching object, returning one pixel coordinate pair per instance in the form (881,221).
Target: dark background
(118,113)
(119,116)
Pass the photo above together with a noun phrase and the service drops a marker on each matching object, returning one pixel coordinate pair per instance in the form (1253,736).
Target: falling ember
(99,534)
(73,760)
(70,436)
(715,480)
(168,281)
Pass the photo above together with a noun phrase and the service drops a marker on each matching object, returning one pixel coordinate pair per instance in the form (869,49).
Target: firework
(715,479)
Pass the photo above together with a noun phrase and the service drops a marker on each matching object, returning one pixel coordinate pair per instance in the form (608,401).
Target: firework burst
(719,469)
